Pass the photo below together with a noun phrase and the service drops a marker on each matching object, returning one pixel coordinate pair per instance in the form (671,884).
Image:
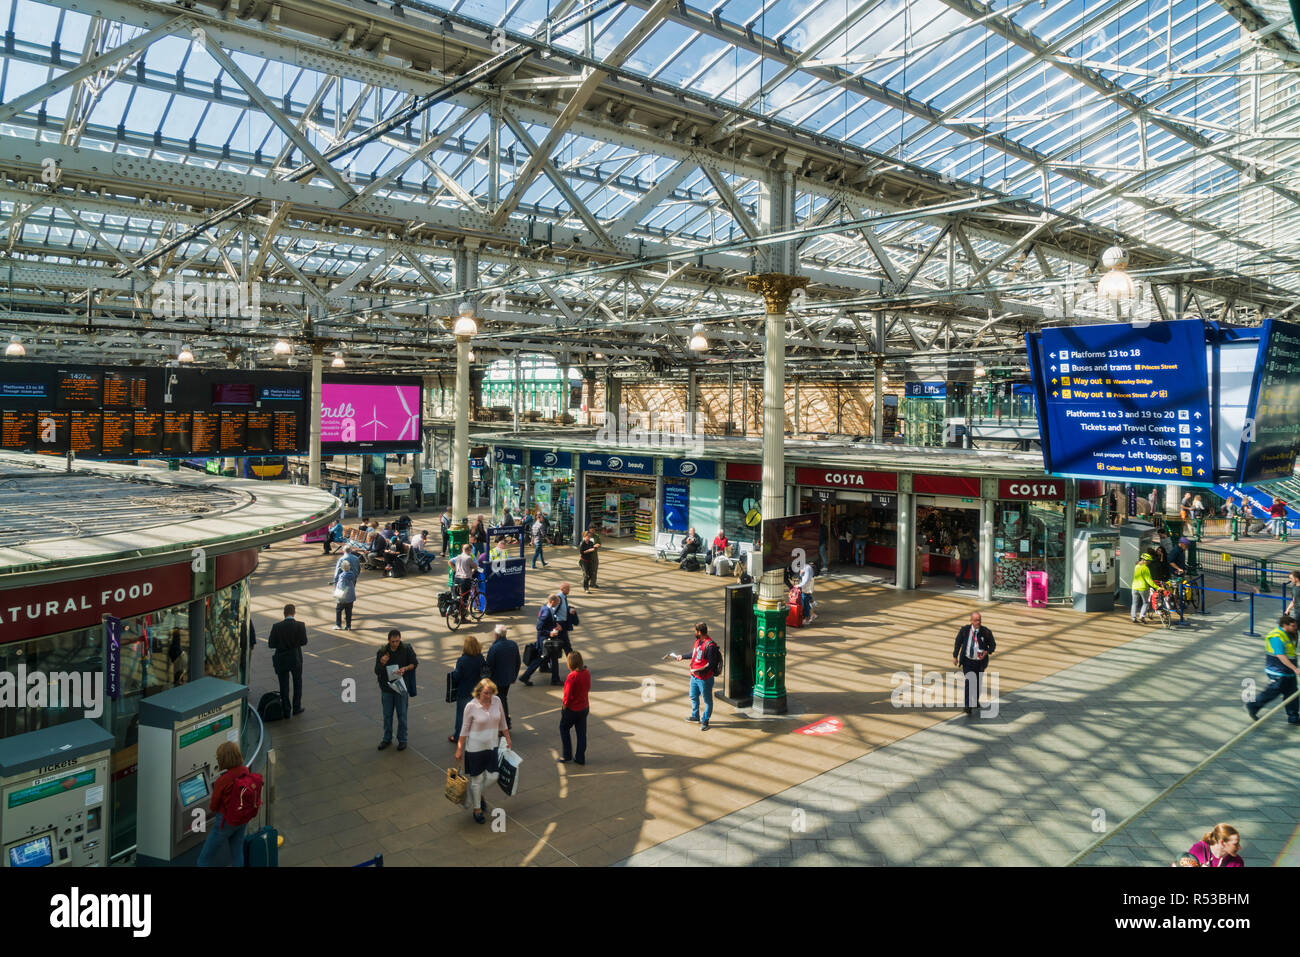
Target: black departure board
(233,432)
(87,432)
(51,431)
(147,433)
(125,391)
(139,411)
(257,434)
(77,389)
(176,433)
(207,432)
(17,431)
(117,439)
(284,438)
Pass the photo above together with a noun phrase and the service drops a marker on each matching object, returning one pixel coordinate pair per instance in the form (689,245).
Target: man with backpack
(236,798)
(286,643)
(706,664)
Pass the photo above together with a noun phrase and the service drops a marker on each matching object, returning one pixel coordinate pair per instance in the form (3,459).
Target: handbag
(457,785)
(410,683)
(552,647)
(508,769)
(339,593)
(451,687)
(573,617)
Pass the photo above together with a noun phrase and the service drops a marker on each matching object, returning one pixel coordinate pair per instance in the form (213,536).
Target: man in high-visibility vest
(1280,667)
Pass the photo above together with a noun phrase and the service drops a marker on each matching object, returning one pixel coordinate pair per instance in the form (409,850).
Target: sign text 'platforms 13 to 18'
(1121,402)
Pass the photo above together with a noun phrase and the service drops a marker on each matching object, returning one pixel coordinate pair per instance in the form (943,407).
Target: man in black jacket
(691,545)
(403,657)
(503,663)
(972,649)
(286,641)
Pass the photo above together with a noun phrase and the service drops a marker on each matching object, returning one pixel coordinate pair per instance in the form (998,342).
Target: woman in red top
(1220,847)
(224,840)
(574,713)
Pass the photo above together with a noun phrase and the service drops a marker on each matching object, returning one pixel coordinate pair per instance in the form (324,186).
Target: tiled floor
(914,785)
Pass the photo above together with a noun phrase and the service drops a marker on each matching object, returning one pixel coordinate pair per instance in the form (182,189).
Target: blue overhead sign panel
(690,468)
(508,456)
(551,460)
(1125,403)
(621,464)
(1271,437)
(928,390)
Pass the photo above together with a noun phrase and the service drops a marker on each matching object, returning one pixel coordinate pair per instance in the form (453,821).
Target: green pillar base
(457,536)
(769,668)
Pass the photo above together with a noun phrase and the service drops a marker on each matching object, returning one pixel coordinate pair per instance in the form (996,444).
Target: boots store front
(145,596)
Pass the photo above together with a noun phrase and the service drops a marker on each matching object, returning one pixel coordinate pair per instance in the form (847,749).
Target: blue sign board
(926,390)
(503,578)
(23,390)
(276,393)
(551,460)
(690,468)
(1124,403)
(677,507)
(507,456)
(1271,438)
(622,464)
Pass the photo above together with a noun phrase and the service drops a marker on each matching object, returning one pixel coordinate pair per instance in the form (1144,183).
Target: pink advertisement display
(369,415)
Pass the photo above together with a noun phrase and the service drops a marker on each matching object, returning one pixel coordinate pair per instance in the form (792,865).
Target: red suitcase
(794,619)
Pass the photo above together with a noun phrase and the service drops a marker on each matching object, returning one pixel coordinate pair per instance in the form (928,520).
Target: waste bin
(1036,589)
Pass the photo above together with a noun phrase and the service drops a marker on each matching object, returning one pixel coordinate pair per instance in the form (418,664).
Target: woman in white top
(483,723)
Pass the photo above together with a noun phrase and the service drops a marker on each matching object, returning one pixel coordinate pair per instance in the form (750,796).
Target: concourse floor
(1091,714)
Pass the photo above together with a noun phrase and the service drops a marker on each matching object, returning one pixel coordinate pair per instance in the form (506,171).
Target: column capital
(776,288)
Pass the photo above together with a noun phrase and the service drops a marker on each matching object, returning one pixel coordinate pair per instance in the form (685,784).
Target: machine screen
(37,853)
(193,789)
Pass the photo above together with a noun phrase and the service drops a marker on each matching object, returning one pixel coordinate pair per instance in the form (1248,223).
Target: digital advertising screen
(234,393)
(373,416)
(1271,437)
(788,539)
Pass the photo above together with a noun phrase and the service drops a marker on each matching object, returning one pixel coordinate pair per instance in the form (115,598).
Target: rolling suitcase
(794,618)
(262,849)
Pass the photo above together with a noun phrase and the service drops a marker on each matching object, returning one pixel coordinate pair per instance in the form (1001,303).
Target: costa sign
(1032,489)
(65,606)
(846,478)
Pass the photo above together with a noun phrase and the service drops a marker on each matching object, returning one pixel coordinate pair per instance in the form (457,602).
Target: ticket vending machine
(1096,569)
(1134,539)
(180,731)
(54,796)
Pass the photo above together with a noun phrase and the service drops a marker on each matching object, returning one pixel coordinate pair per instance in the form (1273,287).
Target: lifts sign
(65,606)
(1032,490)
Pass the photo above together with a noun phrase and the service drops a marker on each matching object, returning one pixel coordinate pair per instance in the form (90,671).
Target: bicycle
(466,607)
(1185,593)
(1162,603)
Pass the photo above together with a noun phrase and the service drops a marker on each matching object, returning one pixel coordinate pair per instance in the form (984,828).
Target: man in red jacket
(706,662)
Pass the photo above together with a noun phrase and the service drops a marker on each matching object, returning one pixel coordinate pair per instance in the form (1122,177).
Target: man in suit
(972,650)
(286,641)
(547,627)
(503,667)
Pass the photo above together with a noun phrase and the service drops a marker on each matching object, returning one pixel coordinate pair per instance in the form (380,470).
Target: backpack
(715,658)
(270,707)
(243,800)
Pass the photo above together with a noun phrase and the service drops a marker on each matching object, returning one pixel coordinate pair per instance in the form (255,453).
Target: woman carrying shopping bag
(483,724)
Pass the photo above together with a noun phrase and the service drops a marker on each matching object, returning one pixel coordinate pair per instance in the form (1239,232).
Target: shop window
(738,499)
(78,652)
(1028,536)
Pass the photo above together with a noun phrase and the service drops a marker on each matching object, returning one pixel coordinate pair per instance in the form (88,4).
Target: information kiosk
(54,796)
(503,578)
(180,731)
(1096,569)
